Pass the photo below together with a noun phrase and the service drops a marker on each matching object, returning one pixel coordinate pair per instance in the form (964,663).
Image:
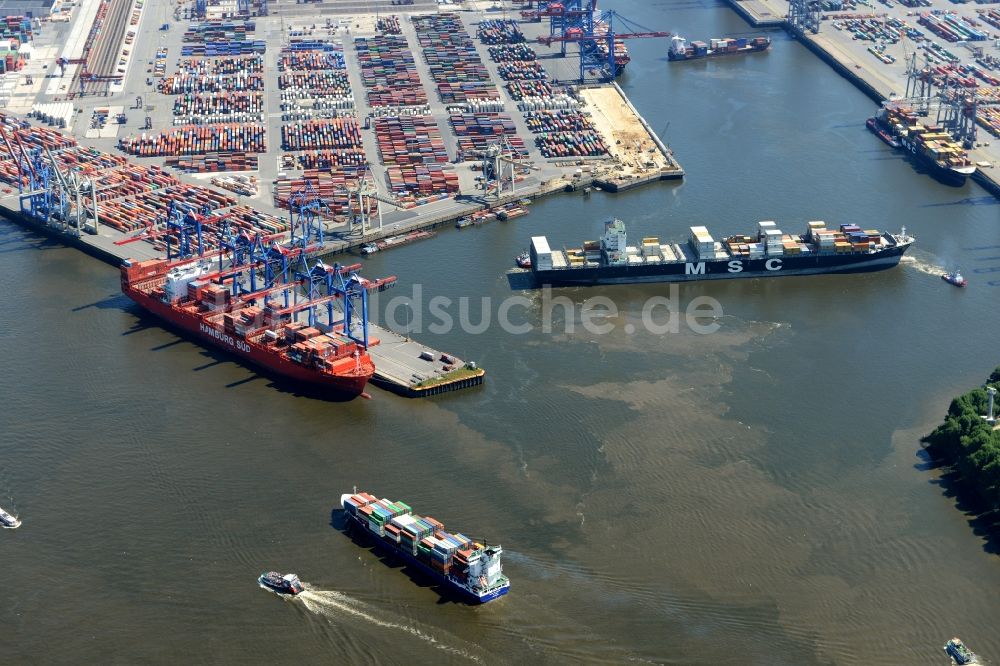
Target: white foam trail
(923,266)
(330,604)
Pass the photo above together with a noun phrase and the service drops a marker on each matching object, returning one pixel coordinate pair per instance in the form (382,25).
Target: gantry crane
(364,192)
(499,160)
(306,211)
(578,21)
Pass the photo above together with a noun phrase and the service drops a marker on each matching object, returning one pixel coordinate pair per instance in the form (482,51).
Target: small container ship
(183,294)
(959,653)
(767,253)
(469,569)
(945,159)
(681,50)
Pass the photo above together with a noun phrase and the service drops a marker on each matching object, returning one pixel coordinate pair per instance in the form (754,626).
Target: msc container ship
(768,253)
(469,569)
(944,158)
(680,50)
(320,360)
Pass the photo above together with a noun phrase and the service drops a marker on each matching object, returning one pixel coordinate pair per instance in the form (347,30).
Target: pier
(206,96)
(837,44)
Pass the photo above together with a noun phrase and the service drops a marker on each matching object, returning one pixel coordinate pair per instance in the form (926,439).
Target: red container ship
(179,293)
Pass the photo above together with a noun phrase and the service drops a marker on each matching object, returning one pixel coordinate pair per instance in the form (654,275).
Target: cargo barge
(681,50)
(470,570)
(180,294)
(395,241)
(933,148)
(768,253)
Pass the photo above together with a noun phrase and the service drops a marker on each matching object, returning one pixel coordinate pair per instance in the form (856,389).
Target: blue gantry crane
(579,21)
(306,211)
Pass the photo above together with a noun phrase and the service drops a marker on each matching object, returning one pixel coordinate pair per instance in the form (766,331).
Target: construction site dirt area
(628,140)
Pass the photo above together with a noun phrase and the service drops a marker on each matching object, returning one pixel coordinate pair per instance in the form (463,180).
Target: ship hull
(337,386)
(361,531)
(944,175)
(722,269)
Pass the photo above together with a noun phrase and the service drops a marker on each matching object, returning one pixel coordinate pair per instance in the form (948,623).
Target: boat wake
(335,606)
(924,266)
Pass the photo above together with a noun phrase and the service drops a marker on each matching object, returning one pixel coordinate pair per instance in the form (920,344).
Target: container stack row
(422,537)
(179,84)
(409,140)
(388,25)
(496,31)
(131,197)
(476,131)
(334,133)
(214,163)
(208,108)
(567,133)
(160,63)
(313,81)
(389,72)
(15,33)
(148,209)
(238,66)
(215,49)
(199,33)
(560,129)
(417,183)
(325,159)
(333,188)
(455,65)
(197,140)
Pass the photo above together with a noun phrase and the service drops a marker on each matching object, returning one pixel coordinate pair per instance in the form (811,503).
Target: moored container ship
(315,357)
(469,569)
(944,158)
(681,50)
(622,57)
(768,253)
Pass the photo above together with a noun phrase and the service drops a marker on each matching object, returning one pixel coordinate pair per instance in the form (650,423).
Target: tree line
(967,442)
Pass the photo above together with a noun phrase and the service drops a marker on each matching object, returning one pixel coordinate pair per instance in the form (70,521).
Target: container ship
(681,50)
(469,569)
(768,253)
(315,357)
(622,57)
(934,148)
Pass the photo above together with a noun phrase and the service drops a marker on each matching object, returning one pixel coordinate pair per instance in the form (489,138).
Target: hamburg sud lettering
(734,266)
(240,345)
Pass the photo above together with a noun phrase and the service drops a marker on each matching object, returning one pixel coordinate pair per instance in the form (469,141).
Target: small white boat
(8,521)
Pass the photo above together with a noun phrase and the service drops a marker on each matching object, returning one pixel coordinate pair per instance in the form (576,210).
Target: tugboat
(288,584)
(955,279)
(959,653)
(523,260)
(8,521)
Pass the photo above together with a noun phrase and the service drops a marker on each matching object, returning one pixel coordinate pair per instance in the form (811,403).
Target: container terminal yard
(938,58)
(138,129)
